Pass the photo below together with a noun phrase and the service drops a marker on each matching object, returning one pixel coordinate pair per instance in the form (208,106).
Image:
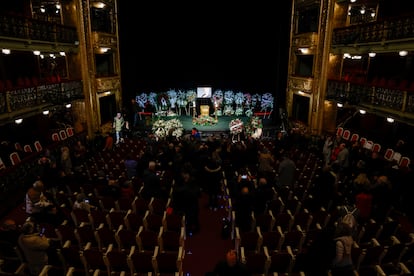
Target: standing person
(134,112)
(130,166)
(266,162)
(212,170)
(185,199)
(34,247)
(152,182)
(286,173)
(342,262)
(66,161)
(327,149)
(118,125)
(231,266)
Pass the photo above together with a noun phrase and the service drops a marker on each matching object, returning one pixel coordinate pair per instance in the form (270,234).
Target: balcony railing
(390,99)
(30,97)
(385,30)
(31,29)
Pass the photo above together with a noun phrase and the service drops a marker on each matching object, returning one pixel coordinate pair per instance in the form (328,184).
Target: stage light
(18,121)
(6,51)
(68,105)
(339,104)
(36,53)
(372,54)
(45,112)
(362,111)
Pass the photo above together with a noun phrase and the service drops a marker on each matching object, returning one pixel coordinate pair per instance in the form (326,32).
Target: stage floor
(222,124)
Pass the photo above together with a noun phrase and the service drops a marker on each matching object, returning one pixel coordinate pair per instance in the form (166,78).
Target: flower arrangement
(165,128)
(163,101)
(267,101)
(191,96)
(204,121)
(236,126)
(172,96)
(253,125)
(142,100)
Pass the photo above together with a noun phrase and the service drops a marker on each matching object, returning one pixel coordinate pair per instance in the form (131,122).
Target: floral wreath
(164,128)
(163,100)
(236,126)
(254,123)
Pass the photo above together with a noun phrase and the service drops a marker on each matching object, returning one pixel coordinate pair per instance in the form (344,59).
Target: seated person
(37,204)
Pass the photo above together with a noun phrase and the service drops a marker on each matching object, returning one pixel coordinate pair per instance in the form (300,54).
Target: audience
(34,247)
(363,182)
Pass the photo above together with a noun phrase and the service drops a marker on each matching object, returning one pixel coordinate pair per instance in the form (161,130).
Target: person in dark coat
(185,199)
(152,182)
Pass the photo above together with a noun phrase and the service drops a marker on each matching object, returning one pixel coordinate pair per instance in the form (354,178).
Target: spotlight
(390,120)
(362,111)
(45,112)
(6,51)
(372,54)
(18,121)
(68,105)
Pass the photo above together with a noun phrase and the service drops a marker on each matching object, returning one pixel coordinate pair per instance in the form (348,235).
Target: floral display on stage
(204,121)
(167,128)
(236,126)
(226,103)
(254,127)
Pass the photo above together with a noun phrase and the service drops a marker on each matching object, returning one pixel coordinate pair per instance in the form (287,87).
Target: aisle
(205,249)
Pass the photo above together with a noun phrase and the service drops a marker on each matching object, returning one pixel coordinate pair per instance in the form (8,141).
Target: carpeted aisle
(206,248)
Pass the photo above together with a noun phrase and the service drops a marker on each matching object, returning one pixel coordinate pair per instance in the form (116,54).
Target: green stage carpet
(222,124)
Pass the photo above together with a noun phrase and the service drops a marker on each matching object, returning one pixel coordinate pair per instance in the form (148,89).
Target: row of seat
(91,261)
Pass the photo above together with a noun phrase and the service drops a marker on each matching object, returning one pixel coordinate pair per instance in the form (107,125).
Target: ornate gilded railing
(384,30)
(31,29)
(391,99)
(56,93)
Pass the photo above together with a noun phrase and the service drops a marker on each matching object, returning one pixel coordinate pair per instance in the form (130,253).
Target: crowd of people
(348,175)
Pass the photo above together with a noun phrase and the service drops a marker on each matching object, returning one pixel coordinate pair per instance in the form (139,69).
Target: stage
(219,127)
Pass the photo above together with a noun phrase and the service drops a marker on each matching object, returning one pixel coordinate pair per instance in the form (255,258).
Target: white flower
(163,128)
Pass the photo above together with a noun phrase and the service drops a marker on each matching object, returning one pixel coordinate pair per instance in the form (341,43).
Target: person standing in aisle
(118,125)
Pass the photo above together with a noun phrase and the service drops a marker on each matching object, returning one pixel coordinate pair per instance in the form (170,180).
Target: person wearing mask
(34,247)
(231,266)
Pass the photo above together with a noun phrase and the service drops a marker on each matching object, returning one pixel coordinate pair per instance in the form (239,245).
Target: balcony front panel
(107,84)
(300,84)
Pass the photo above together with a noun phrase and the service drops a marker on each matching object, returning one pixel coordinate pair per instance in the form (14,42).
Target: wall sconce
(36,53)
(68,105)
(45,112)
(304,50)
(62,53)
(6,51)
(372,54)
(390,120)
(104,49)
(339,104)
(18,121)
(362,111)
